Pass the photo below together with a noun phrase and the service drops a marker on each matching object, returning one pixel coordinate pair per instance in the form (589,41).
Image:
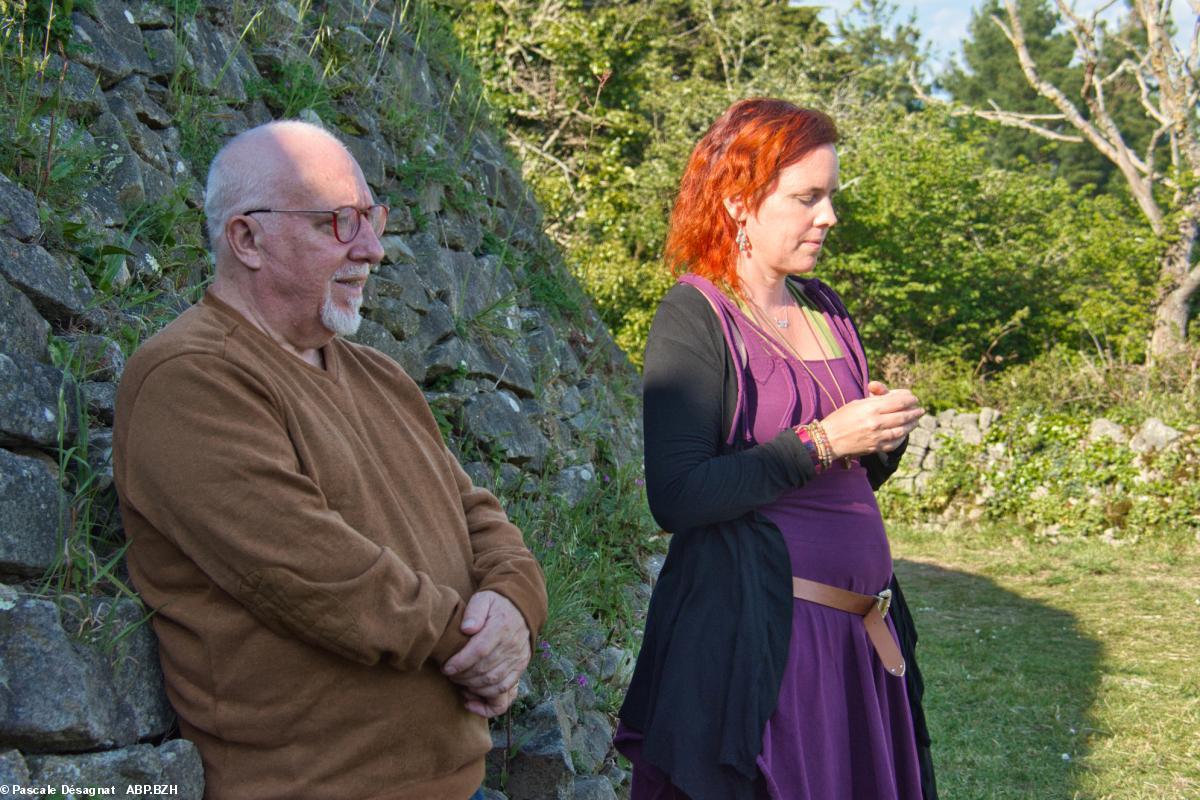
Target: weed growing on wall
(1043,472)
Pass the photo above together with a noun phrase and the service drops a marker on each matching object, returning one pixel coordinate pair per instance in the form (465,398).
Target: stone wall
(523,387)
(991,460)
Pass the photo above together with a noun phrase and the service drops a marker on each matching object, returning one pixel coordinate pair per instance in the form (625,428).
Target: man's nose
(366,245)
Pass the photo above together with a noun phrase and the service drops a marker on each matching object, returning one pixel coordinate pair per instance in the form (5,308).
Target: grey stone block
(590,741)
(1153,435)
(29,402)
(542,768)
(498,479)
(101,399)
(176,764)
(13,770)
(572,483)
(32,516)
(80,93)
(1102,428)
(437,324)
(128,101)
(495,361)
(594,787)
(496,421)
(136,672)
(396,249)
(58,696)
(97,52)
(404,353)
(18,211)
(120,173)
(211,51)
(372,157)
(487,287)
(61,293)
(22,329)
(457,231)
(100,358)
(970,434)
(165,52)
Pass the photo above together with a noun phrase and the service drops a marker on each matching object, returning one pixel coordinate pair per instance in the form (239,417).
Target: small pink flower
(581,680)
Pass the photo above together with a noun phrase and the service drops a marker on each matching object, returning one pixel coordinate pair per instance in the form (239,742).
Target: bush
(1038,468)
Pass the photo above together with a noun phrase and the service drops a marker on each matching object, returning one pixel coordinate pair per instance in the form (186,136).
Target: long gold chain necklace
(775,341)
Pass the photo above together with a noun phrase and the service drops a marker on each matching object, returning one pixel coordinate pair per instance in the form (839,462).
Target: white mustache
(351,272)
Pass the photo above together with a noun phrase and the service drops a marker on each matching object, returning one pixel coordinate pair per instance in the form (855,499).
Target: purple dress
(842,727)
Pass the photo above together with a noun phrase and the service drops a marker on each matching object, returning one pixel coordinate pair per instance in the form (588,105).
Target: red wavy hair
(741,155)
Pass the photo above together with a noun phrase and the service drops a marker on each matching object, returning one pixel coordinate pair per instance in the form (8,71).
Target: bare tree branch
(1107,137)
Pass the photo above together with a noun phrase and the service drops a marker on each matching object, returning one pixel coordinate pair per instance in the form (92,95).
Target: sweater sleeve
(208,462)
(689,480)
(502,563)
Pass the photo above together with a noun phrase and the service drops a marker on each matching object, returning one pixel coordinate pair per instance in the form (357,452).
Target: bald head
(269,166)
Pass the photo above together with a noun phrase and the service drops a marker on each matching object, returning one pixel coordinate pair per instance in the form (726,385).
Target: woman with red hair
(771,666)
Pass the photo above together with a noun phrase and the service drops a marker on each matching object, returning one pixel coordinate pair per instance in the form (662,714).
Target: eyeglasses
(346,220)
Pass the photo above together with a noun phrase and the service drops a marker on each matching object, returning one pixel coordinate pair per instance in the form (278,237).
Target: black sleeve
(690,478)
(880,466)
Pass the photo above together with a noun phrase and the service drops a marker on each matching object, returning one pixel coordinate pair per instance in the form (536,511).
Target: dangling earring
(743,241)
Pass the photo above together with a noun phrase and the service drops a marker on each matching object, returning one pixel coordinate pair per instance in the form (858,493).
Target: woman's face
(789,228)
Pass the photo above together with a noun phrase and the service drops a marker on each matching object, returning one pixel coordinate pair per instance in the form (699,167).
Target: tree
(1168,195)
(941,254)
(990,77)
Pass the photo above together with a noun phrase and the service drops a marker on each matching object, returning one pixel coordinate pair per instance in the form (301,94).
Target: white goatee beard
(343,322)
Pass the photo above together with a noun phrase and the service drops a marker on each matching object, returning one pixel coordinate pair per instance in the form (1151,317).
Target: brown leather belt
(872,609)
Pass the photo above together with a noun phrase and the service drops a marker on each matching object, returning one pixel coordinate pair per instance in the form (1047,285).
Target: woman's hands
(877,423)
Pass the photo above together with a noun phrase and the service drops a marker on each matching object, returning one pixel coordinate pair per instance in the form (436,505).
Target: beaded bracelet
(806,439)
(816,441)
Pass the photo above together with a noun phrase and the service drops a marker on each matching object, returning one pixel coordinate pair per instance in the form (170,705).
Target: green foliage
(39,146)
(91,558)
(1041,471)
(943,251)
(590,553)
(938,253)
(297,86)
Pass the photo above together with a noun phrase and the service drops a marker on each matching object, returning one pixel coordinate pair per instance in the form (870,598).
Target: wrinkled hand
(877,423)
(488,707)
(491,662)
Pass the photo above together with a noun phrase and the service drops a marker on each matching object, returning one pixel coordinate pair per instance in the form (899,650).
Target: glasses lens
(346,224)
(378,216)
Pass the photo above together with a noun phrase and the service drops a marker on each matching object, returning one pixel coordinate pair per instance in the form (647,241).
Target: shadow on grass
(1009,683)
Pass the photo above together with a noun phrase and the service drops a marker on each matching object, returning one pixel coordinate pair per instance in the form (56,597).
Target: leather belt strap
(871,608)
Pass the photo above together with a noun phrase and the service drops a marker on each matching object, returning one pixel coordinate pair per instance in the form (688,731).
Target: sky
(943,23)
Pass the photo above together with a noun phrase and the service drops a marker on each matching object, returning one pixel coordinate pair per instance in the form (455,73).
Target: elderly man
(338,608)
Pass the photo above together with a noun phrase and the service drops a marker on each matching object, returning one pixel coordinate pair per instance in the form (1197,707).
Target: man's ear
(243,236)
(736,208)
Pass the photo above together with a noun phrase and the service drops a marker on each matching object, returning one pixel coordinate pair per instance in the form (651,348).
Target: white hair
(237,184)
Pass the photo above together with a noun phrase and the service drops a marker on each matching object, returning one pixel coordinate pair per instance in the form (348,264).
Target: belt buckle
(883,601)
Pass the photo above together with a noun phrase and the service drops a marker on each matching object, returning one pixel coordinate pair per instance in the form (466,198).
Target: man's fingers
(466,662)
(476,613)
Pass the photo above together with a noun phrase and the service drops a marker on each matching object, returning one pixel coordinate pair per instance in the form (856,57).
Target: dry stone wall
(472,300)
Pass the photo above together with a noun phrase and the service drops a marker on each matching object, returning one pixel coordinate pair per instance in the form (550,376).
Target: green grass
(590,553)
(1032,652)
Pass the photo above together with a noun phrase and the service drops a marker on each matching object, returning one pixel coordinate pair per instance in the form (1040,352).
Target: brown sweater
(308,544)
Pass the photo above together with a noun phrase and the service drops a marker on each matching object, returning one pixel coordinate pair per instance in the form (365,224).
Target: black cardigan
(717,632)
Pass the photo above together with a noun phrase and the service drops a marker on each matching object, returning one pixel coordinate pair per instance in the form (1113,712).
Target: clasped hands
(877,423)
(489,665)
